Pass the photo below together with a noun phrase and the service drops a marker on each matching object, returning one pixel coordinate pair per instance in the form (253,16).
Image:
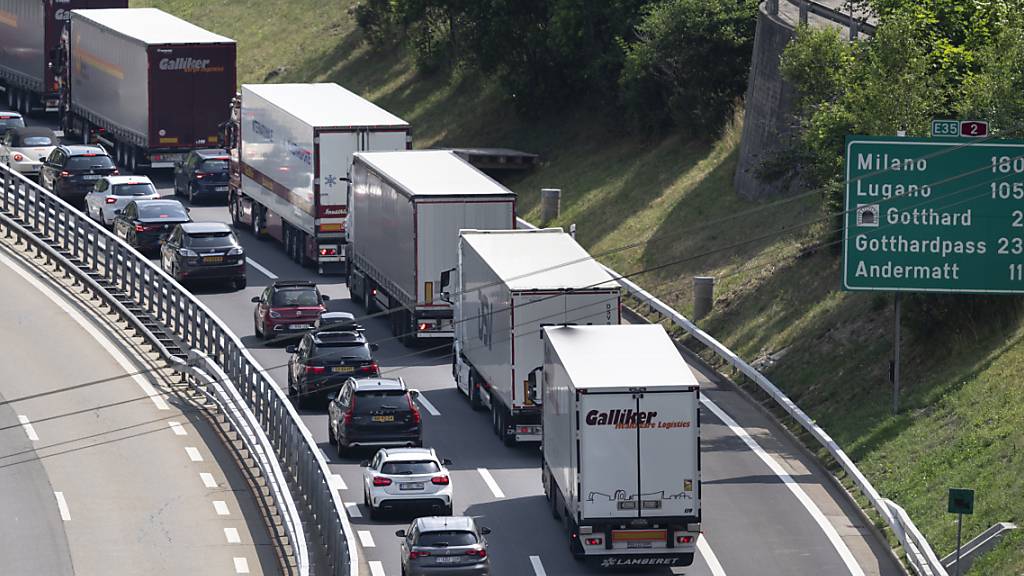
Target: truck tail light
(111,200)
(315,369)
(424,326)
(380,481)
(414,554)
(440,480)
(684,539)
(328,251)
(594,541)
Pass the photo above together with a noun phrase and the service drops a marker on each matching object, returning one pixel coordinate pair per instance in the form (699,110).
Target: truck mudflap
(614,548)
(528,432)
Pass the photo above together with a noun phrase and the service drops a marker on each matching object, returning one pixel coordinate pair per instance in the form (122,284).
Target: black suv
(204,251)
(202,174)
(374,412)
(325,358)
(70,172)
(143,223)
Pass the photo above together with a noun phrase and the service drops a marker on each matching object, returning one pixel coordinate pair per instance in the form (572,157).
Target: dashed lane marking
(208,479)
(709,556)
(376,568)
(338,482)
(193,454)
(232,536)
(353,510)
(221,507)
(177,428)
(538,568)
(426,404)
(489,480)
(62,505)
(241,566)
(366,539)
(30,431)
(261,268)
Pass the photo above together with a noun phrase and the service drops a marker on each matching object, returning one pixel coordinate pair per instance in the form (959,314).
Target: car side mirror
(414,393)
(446,461)
(291,349)
(485,530)
(374,347)
(400,533)
(365,464)
(325,297)
(255,299)
(534,392)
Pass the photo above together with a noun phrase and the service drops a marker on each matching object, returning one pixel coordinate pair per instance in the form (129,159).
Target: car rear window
(214,166)
(134,189)
(11,122)
(98,162)
(212,240)
(162,211)
(381,400)
(295,297)
(339,352)
(406,468)
(446,538)
(36,141)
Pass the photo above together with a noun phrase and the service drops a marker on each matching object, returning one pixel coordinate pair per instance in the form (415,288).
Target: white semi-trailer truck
(511,285)
(291,178)
(621,448)
(406,211)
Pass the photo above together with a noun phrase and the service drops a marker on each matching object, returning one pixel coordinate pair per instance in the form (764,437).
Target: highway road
(768,507)
(100,472)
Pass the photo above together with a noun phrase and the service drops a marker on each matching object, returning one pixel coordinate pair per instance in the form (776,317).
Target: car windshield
(11,122)
(381,400)
(214,166)
(162,211)
(331,353)
(37,141)
(295,297)
(89,162)
(143,189)
(212,240)
(406,468)
(446,538)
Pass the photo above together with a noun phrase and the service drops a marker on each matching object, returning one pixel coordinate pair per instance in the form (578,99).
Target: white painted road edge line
(709,556)
(193,454)
(426,404)
(30,431)
(338,482)
(366,539)
(232,536)
(221,507)
(178,429)
(353,510)
(489,480)
(208,479)
(808,504)
(62,505)
(376,568)
(260,268)
(241,566)
(538,568)
(92,330)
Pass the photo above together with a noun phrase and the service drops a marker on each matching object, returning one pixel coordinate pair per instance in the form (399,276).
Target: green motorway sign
(934,215)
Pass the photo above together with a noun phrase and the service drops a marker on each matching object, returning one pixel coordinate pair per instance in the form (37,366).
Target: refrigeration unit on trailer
(510,285)
(30,31)
(406,213)
(148,85)
(621,448)
(292,178)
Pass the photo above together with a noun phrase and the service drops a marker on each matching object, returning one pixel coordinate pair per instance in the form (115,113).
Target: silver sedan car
(448,545)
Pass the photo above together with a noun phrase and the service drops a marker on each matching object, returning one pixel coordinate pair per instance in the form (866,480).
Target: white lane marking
(30,431)
(91,329)
(489,480)
(426,404)
(208,479)
(178,429)
(338,482)
(538,568)
(221,507)
(62,505)
(353,510)
(260,267)
(232,536)
(808,504)
(366,539)
(193,454)
(376,568)
(241,566)
(709,556)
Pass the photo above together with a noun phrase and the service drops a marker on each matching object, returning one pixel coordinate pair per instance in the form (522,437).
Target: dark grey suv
(449,545)
(71,172)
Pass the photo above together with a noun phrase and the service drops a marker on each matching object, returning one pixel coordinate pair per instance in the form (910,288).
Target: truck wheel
(507,438)
(474,393)
(368,296)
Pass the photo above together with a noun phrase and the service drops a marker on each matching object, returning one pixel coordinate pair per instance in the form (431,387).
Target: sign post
(961,501)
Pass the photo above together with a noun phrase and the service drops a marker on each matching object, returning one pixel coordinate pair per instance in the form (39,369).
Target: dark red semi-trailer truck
(30,31)
(146,84)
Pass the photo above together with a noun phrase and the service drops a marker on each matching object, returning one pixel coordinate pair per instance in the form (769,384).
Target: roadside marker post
(961,501)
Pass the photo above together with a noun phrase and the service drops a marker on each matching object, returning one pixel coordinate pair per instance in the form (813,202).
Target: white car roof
(128,180)
(408,454)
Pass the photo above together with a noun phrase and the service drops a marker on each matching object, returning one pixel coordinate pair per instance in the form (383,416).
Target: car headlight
(236,251)
(187,253)
(275,314)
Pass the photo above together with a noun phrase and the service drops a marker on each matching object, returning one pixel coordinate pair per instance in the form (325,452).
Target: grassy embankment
(963,422)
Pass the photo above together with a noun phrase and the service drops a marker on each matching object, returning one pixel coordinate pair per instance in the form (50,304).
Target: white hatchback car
(112,193)
(24,149)
(407,477)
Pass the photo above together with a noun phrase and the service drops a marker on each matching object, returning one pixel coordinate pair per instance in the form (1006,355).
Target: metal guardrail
(919,553)
(806,7)
(179,326)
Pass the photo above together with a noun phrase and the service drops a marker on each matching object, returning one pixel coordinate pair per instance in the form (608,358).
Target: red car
(288,307)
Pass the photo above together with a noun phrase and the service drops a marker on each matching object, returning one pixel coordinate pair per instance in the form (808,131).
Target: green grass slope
(664,210)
